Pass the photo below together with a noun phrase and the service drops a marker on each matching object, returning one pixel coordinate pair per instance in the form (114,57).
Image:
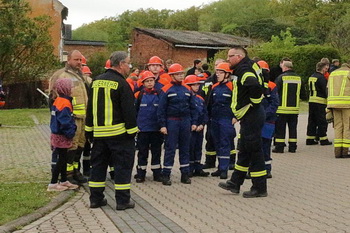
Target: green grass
(23,117)
(18,199)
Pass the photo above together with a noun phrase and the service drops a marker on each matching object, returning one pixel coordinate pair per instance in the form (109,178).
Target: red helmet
(86,70)
(155,60)
(175,68)
(224,66)
(191,79)
(146,75)
(263,65)
(2,103)
(83,60)
(108,64)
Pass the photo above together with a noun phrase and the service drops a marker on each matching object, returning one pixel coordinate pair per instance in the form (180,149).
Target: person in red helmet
(149,136)
(177,117)
(196,168)
(155,65)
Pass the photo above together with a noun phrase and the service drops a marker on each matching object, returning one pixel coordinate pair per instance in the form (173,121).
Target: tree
(26,52)
(184,20)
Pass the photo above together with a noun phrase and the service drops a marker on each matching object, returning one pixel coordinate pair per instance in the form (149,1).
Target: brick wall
(145,46)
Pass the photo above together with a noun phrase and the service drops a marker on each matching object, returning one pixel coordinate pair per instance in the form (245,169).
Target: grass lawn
(24,117)
(22,184)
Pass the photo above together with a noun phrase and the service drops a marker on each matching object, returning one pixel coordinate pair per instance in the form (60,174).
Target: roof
(196,39)
(85,42)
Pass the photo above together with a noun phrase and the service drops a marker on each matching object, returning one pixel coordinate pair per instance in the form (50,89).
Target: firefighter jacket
(207,87)
(288,87)
(339,88)
(201,109)
(62,123)
(248,87)
(176,102)
(317,88)
(146,104)
(271,102)
(220,101)
(111,111)
(79,90)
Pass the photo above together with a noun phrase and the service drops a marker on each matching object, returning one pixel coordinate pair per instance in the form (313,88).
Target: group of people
(163,105)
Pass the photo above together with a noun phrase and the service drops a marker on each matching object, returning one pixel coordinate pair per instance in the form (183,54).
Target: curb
(27,219)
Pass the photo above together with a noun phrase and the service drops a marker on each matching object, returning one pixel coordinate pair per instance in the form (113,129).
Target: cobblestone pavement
(308,193)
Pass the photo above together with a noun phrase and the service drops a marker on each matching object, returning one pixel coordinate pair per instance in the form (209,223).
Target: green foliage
(97,63)
(96,31)
(26,52)
(284,41)
(184,20)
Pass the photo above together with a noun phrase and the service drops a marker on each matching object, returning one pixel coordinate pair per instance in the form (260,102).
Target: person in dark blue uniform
(177,117)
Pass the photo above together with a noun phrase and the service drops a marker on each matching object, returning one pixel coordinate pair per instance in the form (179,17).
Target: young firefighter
(177,116)
(222,117)
(149,137)
(196,168)
(62,132)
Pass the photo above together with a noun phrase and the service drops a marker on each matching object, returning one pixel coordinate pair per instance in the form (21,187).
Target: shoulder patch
(229,85)
(61,103)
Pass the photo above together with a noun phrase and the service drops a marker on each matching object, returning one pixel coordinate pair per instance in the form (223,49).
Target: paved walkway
(309,192)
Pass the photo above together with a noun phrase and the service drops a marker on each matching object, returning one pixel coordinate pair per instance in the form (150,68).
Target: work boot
(311,142)
(223,175)
(254,193)
(268,175)
(230,186)
(209,161)
(140,179)
(292,150)
(70,178)
(201,173)
(157,178)
(97,204)
(231,166)
(216,173)
(185,179)
(166,180)
(278,150)
(79,177)
(325,142)
(129,205)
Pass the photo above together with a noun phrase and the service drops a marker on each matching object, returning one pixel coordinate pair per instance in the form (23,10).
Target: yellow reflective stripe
(108,107)
(93,184)
(318,100)
(258,71)
(109,133)
(70,167)
(132,130)
(241,168)
(88,128)
(74,101)
(256,100)
(292,140)
(288,110)
(279,139)
(338,102)
(109,127)
(340,72)
(79,112)
(246,75)
(323,138)
(122,186)
(310,137)
(205,89)
(258,174)
(76,165)
(233,152)
(107,84)
(111,169)
(241,112)
(313,92)
(210,153)
(234,96)
(343,85)
(94,105)
(79,106)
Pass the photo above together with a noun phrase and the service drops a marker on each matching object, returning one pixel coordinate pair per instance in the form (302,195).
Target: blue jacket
(62,121)
(271,102)
(147,102)
(201,109)
(220,101)
(176,101)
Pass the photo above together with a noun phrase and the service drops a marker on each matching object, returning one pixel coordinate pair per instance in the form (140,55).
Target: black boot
(140,179)
(166,180)
(201,173)
(209,161)
(311,142)
(325,142)
(254,193)
(70,178)
(223,175)
(216,173)
(157,178)
(230,186)
(185,178)
(79,177)
(278,149)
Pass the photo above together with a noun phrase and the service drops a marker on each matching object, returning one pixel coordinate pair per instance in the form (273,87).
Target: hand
(89,136)
(193,127)
(164,131)
(234,121)
(199,128)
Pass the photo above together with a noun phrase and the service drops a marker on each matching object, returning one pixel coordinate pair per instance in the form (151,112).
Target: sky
(86,11)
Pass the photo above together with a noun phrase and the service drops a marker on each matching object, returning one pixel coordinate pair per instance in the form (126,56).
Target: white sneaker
(69,185)
(56,188)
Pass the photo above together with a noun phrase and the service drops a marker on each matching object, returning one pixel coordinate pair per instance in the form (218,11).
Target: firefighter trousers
(122,153)
(280,131)
(196,151)
(317,123)
(250,155)
(341,131)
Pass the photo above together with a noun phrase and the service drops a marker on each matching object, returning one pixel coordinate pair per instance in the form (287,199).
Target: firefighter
(339,102)
(177,117)
(155,65)
(248,91)
(196,168)
(111,125)
(288,87)
(72,70)
(221,118)
(149,137)
(317,122)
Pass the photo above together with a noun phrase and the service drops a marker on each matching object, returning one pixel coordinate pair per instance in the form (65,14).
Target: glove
(89,136)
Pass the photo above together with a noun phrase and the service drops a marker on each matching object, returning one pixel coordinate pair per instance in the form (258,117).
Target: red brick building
(181,46)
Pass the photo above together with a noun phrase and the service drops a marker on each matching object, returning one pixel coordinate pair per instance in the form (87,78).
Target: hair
(169,62)
(240,48)
(335,60)
(205,66)
(288,64)
(285,59)
(117,57)
(200,70)
(325,60)
(320,66)
(196,62)
(256,59)
(71,52)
